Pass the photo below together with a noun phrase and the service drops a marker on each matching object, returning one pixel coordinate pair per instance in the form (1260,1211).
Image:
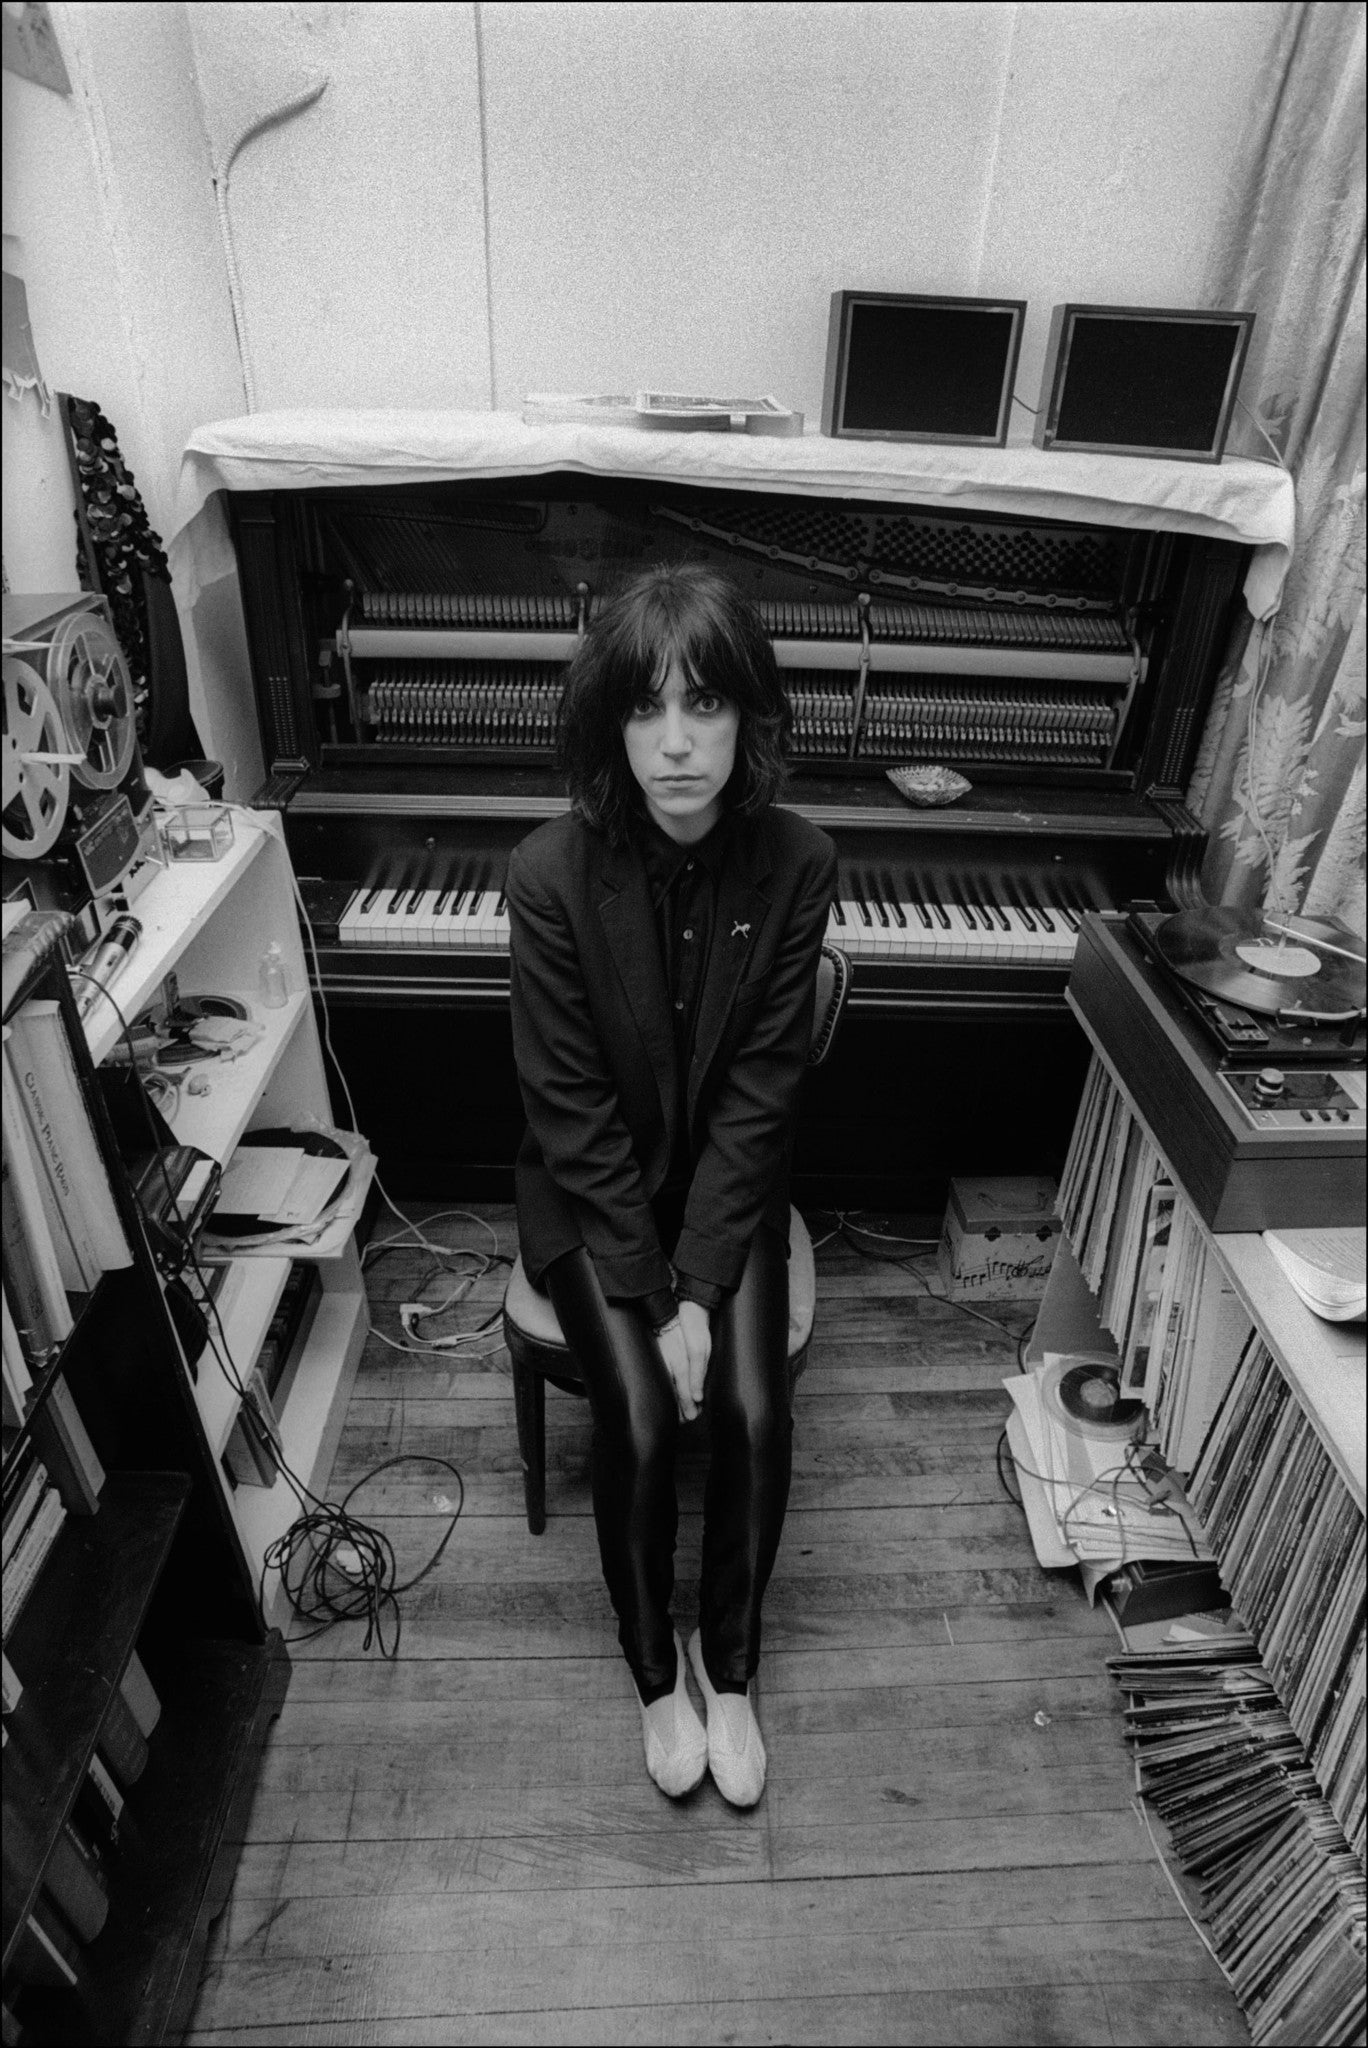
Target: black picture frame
(1142,380)
(904,366)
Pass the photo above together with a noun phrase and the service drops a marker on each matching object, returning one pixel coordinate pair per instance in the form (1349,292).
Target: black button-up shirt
(683,883)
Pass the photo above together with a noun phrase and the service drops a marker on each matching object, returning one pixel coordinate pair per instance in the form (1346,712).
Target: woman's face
(681,747)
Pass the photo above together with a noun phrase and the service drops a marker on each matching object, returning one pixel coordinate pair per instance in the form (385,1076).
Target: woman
(665,939)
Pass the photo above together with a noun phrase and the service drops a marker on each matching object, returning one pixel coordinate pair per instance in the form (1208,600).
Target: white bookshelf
(1323,1362)
(209,924)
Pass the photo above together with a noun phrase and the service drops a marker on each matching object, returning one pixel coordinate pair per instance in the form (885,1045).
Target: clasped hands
(685,1346)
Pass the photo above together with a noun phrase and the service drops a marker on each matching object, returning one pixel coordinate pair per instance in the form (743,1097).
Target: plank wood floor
(462,1845)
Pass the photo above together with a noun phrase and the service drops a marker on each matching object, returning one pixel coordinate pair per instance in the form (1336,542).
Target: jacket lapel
(743,902)
(629,927)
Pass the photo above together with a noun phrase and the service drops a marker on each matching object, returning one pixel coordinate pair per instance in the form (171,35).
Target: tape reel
(36,779)
(1084,1396)
(93,693)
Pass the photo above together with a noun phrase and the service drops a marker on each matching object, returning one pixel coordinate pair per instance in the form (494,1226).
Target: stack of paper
(680,410)
(1086,1499)
(1326,1267)
(277,1185)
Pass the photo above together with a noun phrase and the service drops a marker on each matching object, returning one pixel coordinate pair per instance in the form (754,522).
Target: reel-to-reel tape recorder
(76,810)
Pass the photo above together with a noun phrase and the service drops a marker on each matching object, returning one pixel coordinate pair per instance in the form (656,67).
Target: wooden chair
(533,1335)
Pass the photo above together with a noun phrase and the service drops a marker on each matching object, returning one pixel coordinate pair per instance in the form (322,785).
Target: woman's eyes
(705,705)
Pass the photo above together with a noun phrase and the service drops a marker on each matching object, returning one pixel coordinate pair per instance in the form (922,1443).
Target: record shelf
(1268,1404)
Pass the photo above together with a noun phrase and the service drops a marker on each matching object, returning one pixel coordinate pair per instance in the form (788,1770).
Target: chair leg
(529,1403)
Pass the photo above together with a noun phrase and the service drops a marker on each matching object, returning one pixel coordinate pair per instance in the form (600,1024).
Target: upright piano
(408,640)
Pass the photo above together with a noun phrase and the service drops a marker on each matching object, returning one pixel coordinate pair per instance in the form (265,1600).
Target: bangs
(702,626)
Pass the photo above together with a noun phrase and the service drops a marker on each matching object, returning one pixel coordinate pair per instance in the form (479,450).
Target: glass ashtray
(198,832)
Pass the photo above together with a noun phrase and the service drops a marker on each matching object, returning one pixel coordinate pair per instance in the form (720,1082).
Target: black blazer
(594,1047)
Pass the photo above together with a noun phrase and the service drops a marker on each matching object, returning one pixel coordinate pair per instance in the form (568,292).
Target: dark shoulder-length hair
(686,613)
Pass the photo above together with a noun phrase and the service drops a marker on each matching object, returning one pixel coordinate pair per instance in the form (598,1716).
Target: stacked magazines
(1280,1890)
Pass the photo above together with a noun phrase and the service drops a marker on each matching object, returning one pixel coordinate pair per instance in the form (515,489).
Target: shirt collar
(665,858)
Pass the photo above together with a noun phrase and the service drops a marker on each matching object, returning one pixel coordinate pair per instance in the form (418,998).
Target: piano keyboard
(873,919)
(473,919)
(878,919)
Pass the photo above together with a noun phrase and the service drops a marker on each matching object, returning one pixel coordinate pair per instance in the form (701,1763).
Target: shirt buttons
(688,931)
(688,867)
(679,1005)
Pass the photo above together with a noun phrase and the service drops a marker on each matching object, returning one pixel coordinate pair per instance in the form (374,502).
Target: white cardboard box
(999,1237)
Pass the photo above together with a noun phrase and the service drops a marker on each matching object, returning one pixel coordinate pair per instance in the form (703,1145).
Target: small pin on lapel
(741,931)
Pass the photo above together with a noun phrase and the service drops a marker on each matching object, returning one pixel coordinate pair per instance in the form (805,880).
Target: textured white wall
(1118,125)
(675,191)
(359,223)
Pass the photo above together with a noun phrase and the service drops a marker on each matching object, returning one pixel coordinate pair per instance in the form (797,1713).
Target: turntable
(1240,1039)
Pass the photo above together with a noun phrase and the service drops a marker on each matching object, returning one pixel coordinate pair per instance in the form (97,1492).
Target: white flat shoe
(673,1736)
(736,1753)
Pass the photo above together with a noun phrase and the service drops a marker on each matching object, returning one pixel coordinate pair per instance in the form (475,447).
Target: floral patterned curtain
(1279,780)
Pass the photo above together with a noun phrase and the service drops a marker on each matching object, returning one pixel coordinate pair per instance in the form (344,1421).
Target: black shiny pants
(746,1407)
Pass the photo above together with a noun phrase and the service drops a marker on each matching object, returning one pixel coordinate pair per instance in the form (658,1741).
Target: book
(17,1377)
(139,1696)
(75,1258)
(50,1091)
(60,1438)
(111,1799)
(21,1511)
(121,1741)
(688,405)
(31,1554)
(1327,1269)
(95,1819)
(77,1889)
(46,1952)
(33,1278)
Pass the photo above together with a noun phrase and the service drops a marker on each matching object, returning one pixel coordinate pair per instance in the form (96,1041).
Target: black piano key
(414,902)
(1016,896)
(392,907)
(439,908)
(858,893)
(891,899)
(371,900)
(876,901)
(961,898)
(936,911)
(837,911)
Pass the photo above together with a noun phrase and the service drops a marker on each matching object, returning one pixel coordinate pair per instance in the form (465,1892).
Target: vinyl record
(1085,1396)
(1300,964)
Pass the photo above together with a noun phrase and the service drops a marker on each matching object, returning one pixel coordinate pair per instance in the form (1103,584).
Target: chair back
(833,986)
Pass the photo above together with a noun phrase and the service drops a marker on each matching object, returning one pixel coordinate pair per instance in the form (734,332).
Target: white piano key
(427,918)
(347,923)
(370,927)
(406,925)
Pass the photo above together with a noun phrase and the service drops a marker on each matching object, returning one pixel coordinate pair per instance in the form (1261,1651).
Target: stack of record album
(1090,1494)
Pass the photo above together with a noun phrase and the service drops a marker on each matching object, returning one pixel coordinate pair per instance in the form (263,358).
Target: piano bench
(540,1353)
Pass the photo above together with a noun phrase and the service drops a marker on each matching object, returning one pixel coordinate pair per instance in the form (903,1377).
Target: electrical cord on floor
(1003,1445)
(848,1229)
(333,1566)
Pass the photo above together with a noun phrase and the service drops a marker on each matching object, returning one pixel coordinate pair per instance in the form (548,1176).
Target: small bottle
(273,980)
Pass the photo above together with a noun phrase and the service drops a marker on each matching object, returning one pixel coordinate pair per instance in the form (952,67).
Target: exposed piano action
(409,645)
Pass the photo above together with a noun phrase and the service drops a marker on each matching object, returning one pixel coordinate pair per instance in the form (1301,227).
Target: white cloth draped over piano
(1238,499)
